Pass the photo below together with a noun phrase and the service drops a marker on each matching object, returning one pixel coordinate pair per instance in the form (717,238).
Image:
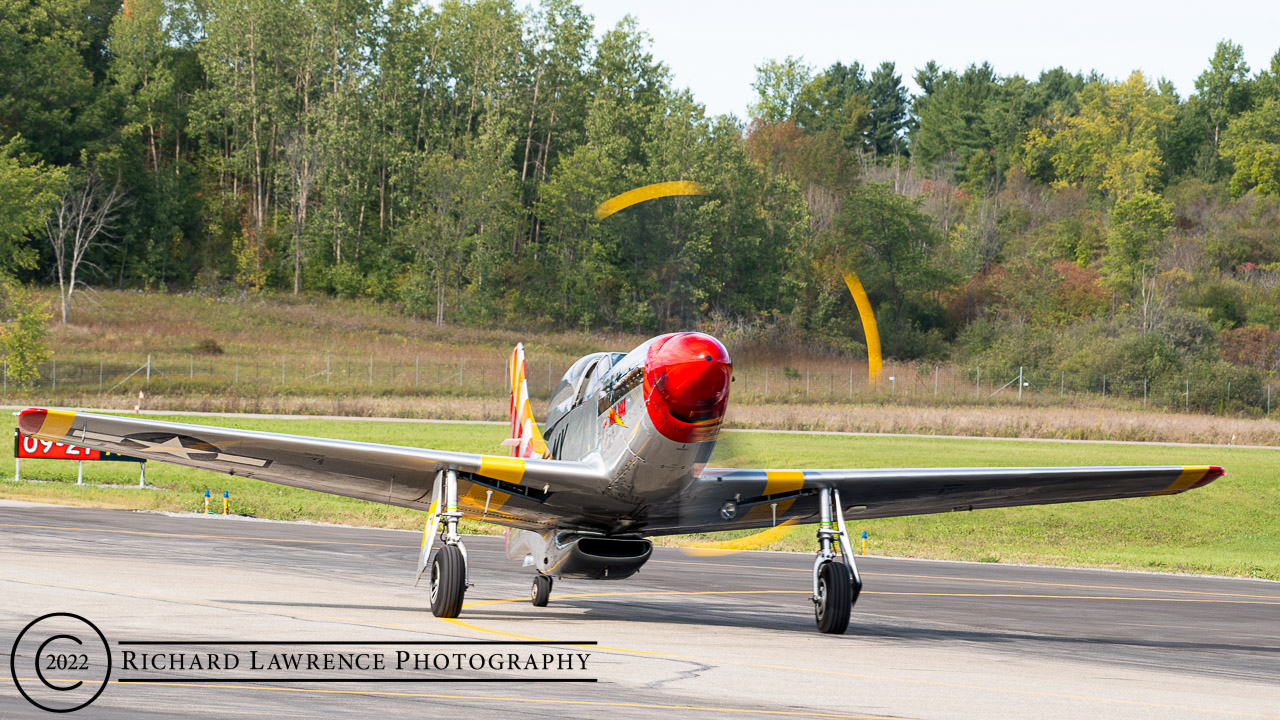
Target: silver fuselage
(642,465)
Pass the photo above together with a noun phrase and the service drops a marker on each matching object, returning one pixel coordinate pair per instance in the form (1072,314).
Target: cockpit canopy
(580,381)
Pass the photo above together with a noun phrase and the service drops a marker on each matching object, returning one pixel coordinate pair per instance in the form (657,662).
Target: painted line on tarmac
(842,673)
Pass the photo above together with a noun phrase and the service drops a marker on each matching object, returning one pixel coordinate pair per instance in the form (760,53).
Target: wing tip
(30,420)
(1212,473)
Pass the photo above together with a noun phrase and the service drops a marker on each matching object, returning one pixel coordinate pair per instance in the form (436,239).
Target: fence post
(237,380)
(1019,383)
(1186,404)
(1144,392)
(370,369)
(148,369)
(1104,386)
(766,381)
(1268,399)
(935,381)
(977,384)
(850,381)
(191,366)
(328,375)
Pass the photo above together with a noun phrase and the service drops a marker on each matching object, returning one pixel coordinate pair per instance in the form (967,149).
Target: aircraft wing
(515,490)
(761,498)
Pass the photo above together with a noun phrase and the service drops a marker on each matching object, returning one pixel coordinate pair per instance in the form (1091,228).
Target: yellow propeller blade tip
(648,192)
(868,325)
(754,541)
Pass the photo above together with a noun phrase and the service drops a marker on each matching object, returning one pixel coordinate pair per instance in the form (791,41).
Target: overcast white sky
(713,46)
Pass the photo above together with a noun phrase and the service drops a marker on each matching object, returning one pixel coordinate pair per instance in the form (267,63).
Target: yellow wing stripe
(56,424)
(1189,476)
(779,481)
(648,192)
(782,481)
(507,469)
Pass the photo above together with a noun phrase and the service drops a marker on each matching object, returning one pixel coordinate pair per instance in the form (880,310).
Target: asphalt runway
(705,637)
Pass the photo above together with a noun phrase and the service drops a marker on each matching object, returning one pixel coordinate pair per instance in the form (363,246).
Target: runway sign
(29,447)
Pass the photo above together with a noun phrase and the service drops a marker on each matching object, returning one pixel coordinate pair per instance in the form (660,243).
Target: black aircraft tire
(541,590)
(835,593)
(448,582)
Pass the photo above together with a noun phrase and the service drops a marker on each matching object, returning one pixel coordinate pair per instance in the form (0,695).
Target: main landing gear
(449,566)
(836,584)
(541,592)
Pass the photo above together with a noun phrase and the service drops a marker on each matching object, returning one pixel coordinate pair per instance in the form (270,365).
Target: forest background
(446,160)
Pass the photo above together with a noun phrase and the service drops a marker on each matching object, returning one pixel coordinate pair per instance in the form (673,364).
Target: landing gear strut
(449,566)
(541,590)
(835,584)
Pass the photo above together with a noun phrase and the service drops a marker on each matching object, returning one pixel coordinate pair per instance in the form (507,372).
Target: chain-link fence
(828,381)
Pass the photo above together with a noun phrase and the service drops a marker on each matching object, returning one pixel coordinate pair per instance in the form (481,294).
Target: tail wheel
(541,590)
(448,582)
(835,598)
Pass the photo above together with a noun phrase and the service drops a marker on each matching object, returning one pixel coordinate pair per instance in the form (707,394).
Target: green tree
(836,99)
(1267,85)
(1111,145)
(951,118)
(1135,239)
(1224,88)
(22,332)
(888,113)
(49,51)
(778,85)
(890,242)
(28,190)
(1252,143)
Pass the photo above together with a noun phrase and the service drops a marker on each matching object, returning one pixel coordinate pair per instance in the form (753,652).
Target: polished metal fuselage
(604,422)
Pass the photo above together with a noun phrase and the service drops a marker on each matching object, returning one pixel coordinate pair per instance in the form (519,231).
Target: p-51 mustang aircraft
(622,457)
